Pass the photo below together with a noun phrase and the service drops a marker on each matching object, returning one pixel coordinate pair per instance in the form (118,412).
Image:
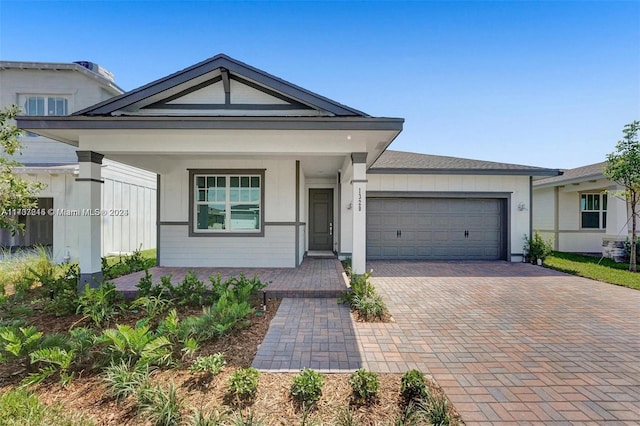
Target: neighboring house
(257,172)
(55,90)
(580,212)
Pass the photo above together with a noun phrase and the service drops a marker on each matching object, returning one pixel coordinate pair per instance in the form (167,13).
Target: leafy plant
(537,248)
(307,387)
(123,380)
(435,409)
(250,419)
(243,383)
(212,418)
(100,304)
(370,306)
(162,407)
(17,342)
(125,265)
(63,289)
(364,385)
(212,364)
(151,305)
(344,417)
(55,360)
(145,284)
(19,407)
(136,345)
(413,385)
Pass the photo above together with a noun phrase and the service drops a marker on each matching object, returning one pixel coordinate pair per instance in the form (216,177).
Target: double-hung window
(593,211)
(227,202)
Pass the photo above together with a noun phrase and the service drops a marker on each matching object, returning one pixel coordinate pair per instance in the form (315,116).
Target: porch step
(304,294)
(321,254)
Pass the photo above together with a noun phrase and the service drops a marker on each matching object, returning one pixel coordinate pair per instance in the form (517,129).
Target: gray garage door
(436,228)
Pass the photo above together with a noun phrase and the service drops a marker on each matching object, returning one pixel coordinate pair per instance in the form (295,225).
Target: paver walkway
(508,343)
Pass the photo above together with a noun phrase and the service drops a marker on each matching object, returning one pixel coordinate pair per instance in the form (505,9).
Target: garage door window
(593,211)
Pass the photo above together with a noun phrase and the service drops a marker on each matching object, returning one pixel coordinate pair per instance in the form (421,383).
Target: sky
(548,84)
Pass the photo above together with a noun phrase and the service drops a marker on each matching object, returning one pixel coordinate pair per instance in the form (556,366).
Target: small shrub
(370,306)
(100,304)
(125,265)
(413,386)
(151,305)
(17,342)
(63,290)
(212,418)
(53,360)
(435,410)
(537,248)
(161,407)
(18,407)
(243,383)
(344,417)
(123,380)
(136,345)
(307,387)
(145,284)
(212,364)
(364,385)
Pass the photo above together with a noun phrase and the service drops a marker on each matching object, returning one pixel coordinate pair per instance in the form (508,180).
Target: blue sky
(538,83)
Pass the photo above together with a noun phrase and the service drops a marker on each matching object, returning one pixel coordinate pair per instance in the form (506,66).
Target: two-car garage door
(436,228)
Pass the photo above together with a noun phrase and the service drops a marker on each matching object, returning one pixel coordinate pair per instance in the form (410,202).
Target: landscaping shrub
(125,265)
(135,345)
(364,385)
(18,407)
(307,387)
(243,383)
(537,248)
(151,305)
(17,342)
(212,364)
(413,386)
(52,360)
(370,306)
(100,304)
(123,380)
(161,407)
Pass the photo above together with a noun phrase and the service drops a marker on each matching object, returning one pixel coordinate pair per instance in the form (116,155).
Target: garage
(424,228)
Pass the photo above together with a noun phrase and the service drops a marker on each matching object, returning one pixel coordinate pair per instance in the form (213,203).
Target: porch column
(359,211)
(89,218)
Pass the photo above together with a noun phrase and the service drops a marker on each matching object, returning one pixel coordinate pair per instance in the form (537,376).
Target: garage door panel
(434,228)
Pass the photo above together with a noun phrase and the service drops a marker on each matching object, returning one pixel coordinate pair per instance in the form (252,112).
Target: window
(593,210)
(46,105)
(226,202)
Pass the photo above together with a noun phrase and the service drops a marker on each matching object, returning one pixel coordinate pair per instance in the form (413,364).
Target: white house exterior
(256,172)
(580,212)
(57,89)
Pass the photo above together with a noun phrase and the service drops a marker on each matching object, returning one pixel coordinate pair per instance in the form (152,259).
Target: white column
(359,211)
(89,184)
(618,223)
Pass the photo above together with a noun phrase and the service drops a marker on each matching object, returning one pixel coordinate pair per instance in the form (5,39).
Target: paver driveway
(511,342)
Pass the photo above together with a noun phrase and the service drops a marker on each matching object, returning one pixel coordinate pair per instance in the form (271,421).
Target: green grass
(19,407)
(146,254)
(605,270)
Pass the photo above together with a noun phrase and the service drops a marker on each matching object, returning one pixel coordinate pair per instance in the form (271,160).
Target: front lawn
(605,270)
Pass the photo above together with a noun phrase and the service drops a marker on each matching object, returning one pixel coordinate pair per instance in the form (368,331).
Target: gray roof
(234,67)
(592,171)
(396,162)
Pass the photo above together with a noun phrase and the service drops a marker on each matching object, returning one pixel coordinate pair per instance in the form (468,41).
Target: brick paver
(315,277)
(512,342)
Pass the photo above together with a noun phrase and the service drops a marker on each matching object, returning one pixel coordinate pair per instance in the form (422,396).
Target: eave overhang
(440,171)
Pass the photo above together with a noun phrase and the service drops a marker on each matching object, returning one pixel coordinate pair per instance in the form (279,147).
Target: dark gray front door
(436,229)
(321,219)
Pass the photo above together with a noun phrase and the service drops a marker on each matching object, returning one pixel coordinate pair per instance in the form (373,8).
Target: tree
(16,193)
(623,167)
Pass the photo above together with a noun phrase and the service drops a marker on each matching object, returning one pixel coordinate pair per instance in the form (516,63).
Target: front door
(321,219)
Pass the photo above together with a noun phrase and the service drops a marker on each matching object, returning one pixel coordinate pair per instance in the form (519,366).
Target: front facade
(55,90)
(256,172)
(581,213)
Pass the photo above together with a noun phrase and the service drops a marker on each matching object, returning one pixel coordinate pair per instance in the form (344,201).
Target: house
(580,212)
(256,172)
(54,90)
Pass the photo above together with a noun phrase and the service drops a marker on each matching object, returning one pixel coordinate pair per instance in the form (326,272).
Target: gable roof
(591,171)
(399,162)
(218,68)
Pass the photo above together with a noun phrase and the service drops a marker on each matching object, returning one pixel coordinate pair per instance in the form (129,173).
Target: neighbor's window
(227,203)
(46,105)
(593,210)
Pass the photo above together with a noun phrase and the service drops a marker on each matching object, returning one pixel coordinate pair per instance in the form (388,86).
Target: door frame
(334,213)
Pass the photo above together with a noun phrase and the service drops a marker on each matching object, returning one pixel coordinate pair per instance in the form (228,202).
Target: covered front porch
(314,277)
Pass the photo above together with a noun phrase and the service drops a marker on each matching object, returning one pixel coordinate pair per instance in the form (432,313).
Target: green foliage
(18,407)
(135,345)
(605,270)
(364,385)
(243,383)
(239,419)
(145,284)
(100,304)
(126,265)
(15,191)
(212,418)
(161,407)
(17,342)
(151,305)
(370,306)
(63,287)
(123,380)
(435,409)
(623,167)
(52,360)
(212,364)
(537,248)
(307,387)
(413,385)
(344,417)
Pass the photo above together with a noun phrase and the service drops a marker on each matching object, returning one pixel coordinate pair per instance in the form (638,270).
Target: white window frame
(45,100)
(194,174)
(602,201)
